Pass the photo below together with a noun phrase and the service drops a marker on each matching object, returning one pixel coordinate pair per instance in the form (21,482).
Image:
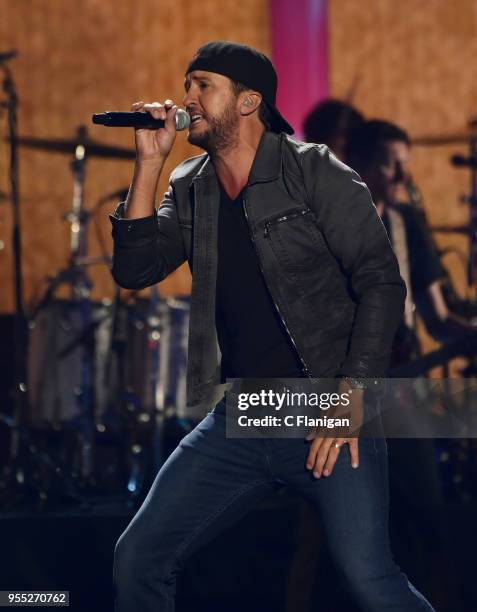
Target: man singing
(293,276)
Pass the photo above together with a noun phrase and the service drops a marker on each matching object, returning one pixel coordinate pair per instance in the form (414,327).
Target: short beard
(221,134)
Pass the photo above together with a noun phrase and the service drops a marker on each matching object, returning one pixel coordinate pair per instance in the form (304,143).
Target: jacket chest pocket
(296,241)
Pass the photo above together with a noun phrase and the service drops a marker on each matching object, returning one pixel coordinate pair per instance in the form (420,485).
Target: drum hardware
(58,344)
(140,358)
(17,474)
(65,276)
(76,276)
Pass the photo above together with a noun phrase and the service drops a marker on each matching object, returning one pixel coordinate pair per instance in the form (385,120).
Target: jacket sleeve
(358,240)
(147,250)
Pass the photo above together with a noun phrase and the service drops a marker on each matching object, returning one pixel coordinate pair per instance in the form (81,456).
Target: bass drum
(64,359)
(89,361)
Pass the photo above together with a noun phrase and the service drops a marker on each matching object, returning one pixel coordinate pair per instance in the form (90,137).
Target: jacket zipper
(244,206)
(266,230)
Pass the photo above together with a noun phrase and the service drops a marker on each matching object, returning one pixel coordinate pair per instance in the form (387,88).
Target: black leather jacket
(322,248)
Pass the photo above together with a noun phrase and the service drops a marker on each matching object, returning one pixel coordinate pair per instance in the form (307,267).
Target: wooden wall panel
(77,58)
(414,62)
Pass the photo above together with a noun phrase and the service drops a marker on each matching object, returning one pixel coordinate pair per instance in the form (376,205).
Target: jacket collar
(266,166)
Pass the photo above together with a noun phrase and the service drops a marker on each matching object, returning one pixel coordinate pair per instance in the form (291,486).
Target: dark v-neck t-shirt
(252,337)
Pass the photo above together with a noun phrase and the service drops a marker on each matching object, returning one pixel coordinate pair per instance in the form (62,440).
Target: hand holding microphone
(155,126)
(153,144)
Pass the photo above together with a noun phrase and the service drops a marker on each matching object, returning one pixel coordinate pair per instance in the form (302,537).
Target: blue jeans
(210,481)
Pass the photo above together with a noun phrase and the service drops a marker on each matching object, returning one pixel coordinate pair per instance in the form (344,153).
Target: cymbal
(445,139)
(93,148)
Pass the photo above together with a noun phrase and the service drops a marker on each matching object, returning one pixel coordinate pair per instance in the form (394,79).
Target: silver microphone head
(182,119)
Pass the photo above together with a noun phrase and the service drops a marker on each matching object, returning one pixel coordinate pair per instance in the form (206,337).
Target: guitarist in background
(379,151)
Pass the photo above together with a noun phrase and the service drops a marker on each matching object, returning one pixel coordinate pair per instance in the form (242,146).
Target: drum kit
(99,387)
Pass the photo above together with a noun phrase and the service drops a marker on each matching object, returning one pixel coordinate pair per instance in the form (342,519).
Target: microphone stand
(19,439)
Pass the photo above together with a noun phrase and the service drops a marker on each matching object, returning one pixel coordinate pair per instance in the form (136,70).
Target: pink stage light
(300,56)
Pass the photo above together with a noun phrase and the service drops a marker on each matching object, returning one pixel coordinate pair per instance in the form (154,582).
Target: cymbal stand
(78,218)
(80,294)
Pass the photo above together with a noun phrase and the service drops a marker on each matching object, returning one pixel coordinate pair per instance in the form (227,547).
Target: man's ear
(251,101)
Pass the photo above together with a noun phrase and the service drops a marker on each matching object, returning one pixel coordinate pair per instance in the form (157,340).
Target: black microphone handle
(138,120)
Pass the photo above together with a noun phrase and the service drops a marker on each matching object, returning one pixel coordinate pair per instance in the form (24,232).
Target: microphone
(140,120)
